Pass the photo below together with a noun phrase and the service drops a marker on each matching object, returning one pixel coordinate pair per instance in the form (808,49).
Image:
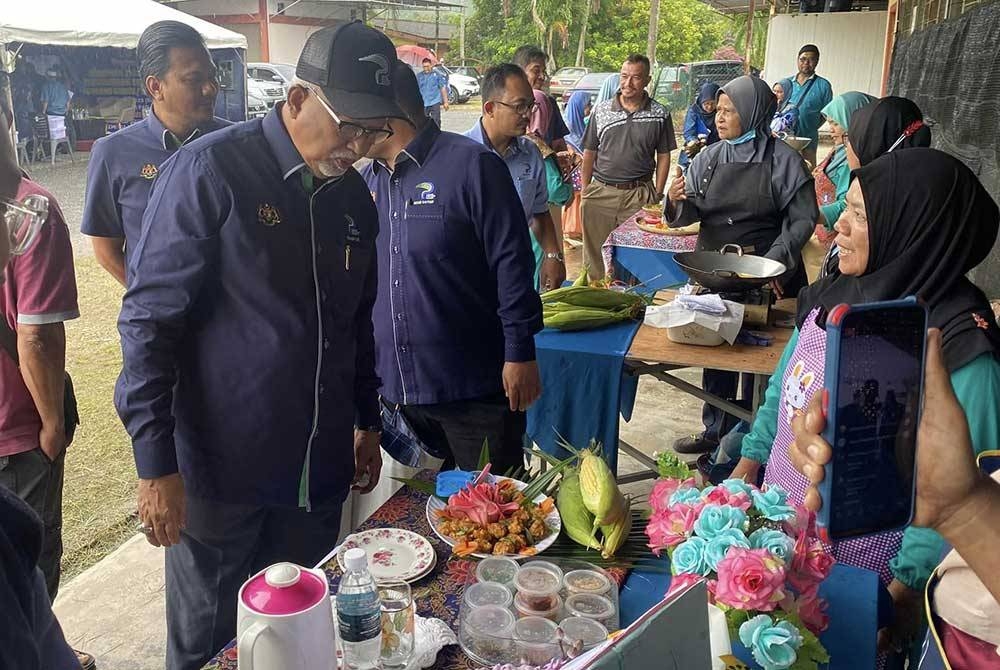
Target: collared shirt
(123,167)
(810,104)
(39,288)
(57,96)
(526,167)
(246,330)
(431,84)
(627,142)
(455,298)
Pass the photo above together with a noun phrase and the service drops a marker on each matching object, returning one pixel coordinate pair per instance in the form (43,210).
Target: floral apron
(802,379)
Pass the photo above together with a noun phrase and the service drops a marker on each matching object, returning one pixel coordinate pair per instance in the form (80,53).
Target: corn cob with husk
(586,296)
(576,520)
(583,307)
(589,501)
(615,534)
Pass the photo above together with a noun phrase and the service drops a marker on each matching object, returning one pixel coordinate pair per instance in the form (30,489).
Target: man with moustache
(249,386)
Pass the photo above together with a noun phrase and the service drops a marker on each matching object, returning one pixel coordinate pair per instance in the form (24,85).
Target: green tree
(737,36)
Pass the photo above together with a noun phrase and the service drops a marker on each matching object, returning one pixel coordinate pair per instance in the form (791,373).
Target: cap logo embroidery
(425,193)
(382,73)
(268,215)
(353,232)
(149,171)
(980,322)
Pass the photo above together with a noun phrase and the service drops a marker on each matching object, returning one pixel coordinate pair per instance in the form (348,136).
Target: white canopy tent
(98,23)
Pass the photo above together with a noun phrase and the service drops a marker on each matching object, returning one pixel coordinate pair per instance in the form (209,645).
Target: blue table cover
(654,269)
(853,595)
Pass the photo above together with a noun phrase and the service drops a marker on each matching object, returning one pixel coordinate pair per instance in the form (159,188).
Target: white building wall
(851,46)
(287,41)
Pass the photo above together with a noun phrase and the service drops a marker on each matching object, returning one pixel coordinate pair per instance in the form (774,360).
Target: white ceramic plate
(393,553)
(553,521)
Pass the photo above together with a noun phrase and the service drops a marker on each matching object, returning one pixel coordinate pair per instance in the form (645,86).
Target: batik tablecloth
(633,253)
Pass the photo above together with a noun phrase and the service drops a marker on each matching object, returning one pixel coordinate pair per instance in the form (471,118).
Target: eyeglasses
(352,131)
(522,109)
(23,220)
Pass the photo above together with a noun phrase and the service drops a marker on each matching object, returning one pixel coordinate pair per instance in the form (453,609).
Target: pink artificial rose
(671,527)
(812,611)
(804,522)
(750,579)
(659,497)
(713,587)
(810,564)
(681,582)
(720,495)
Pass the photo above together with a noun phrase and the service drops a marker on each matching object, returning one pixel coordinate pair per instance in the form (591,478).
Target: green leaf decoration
(670,466)
(419,485)
(484,455)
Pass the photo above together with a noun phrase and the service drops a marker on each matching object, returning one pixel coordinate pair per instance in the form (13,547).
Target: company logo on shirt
(353,232)
(425,193)
(149,171)
(268,215)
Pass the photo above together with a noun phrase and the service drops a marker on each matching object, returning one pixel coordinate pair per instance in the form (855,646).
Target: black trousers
(460,428)
(222,546)
(725,385)
(434,112)
(39,482)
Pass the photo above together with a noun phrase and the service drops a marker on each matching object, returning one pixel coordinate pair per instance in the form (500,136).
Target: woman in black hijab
(888,124)
(750,190)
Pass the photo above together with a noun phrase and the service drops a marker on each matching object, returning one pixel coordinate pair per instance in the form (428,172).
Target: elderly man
(508,102)
(623,137)
(456,312)
(810,93)
(249,386)
(180,79)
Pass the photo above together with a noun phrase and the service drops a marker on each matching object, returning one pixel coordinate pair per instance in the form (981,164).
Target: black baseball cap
(352,65)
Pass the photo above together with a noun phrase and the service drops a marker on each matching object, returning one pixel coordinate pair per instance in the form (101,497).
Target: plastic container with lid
(497,569)
(548,607)
(535,639)
(486,593)
(586,581)
(487,634)
(536,579)
(590,606)
(551,567)
(589,632)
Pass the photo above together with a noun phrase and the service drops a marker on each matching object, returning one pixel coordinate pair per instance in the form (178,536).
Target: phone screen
(878,406)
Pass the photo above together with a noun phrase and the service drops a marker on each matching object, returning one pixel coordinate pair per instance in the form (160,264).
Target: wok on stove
(729,269)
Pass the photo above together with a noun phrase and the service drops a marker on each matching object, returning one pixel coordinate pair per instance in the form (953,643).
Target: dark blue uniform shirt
(246,330)
(456,297)
(121,172)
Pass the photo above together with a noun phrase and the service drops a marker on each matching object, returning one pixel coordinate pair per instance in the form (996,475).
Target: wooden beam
(263,16)
(890,43)
(230,19)
(304,20)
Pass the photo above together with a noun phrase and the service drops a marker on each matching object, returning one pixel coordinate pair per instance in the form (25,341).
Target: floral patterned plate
(393,553)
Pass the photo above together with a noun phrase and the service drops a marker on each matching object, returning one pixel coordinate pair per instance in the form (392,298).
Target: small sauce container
(551,567)
(498,569)
(535,640)
(586,581)
(548,607)
(486,593)
(487,631)
(588,632)
(591,606)
(537,580)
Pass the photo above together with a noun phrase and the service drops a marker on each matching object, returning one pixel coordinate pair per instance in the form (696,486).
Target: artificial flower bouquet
(761,558)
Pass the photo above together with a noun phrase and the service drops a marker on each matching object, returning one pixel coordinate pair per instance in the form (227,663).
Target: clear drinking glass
(397,623)
(23,220)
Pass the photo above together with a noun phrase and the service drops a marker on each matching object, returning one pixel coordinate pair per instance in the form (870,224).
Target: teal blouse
(977,386)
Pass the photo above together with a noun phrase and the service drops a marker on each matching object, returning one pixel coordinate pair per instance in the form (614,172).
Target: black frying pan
(728,269)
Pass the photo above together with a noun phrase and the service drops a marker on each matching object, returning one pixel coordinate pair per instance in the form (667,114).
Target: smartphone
(874,381)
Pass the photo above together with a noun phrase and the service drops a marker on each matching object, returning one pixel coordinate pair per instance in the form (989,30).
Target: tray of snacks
(661,228)
(536,612)
(493,518)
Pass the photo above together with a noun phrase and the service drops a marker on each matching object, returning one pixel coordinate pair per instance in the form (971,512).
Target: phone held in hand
(874,380)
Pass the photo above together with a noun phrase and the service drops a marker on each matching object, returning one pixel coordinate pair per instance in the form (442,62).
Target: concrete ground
(115,609)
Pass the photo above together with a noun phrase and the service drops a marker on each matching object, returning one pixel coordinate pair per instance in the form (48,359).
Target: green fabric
(539,254)
(758,442)
(977,386)
(559,191)
(843,106)
(308,180)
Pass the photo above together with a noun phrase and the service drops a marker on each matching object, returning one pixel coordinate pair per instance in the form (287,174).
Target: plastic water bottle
(359,613)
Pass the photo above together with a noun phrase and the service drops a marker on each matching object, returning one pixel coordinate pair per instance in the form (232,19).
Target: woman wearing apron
(750,190)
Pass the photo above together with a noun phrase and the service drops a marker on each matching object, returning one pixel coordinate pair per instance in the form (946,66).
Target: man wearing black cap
(248,384)
(810,93)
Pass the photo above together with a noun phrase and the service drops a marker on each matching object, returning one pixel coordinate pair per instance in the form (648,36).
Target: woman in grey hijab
(750,190)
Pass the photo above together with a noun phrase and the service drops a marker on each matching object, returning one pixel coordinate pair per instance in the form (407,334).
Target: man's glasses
(23,220)
(352,131)
(522,109)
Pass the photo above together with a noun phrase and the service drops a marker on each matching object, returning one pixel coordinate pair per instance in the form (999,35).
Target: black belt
(629,185)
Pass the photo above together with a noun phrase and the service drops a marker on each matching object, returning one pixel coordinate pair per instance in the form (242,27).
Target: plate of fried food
(492,517)
(661,228)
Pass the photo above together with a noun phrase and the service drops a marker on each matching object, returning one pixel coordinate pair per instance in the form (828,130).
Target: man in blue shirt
(181,80)
(248,384)
(434,90)
(507,105)
(54,96)
(810,93)
(456,312)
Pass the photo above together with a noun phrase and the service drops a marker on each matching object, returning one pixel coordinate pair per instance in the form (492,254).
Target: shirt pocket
(345,284)
(425,235)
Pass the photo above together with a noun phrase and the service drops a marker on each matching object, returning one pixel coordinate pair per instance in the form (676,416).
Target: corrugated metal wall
(850,44)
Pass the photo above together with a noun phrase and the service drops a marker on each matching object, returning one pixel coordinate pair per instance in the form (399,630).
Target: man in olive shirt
(624,135)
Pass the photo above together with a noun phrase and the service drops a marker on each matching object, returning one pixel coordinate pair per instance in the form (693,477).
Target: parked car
(675,86)
(591,83)
(256,108)
(268,91)
(460,87)
(274,73)
(466,70)
(565,78)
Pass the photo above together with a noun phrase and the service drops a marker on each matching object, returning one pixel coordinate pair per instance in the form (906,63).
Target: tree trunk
(654,26)
(583,33)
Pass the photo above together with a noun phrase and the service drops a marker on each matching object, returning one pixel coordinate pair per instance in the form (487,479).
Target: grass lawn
(99,493)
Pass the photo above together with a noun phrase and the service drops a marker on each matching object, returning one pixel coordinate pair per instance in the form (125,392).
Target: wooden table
(652,353)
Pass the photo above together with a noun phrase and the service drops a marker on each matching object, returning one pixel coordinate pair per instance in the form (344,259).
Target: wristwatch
(555,255)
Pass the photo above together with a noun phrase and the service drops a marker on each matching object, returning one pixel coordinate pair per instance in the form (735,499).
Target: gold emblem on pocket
(149,171)
(268,215)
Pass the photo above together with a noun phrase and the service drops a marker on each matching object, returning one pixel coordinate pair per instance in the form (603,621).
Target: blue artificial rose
(780,545)
(772,504)
(717,547)
(688,496)
(773,645)
(716,518)
(689,557)
(737,486)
